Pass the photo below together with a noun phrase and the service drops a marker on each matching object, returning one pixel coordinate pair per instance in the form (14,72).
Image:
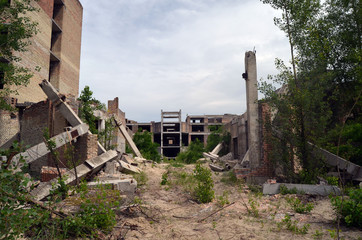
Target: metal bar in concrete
(128,138)
(63,107)
(44,190)
(41,149)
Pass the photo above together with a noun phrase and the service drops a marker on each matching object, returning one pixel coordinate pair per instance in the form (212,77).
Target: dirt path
(169,212)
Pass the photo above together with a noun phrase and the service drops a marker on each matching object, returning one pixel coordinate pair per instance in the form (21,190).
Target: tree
(324,80)
(16,29)
(88,105)
(148,149)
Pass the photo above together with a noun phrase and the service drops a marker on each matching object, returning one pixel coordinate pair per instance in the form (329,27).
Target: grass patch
(141,178)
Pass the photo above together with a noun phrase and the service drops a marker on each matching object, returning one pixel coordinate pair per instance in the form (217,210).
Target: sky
(176,54)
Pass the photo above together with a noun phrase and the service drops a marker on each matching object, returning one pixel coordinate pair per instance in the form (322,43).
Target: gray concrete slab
(123,185)
(128,168)
(37,151)
(128,138)
(44,190)
(321,190)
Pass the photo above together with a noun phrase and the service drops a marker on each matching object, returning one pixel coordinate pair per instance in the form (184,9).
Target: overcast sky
(176,54)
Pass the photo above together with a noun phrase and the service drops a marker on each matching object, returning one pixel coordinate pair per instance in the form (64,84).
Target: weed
(137,200)
(254,206)
(255,189)
(141,178)
(298,206)
(292,225)
(230,178)
(164,180)
(350,208)
(223,199)
(334,181)
(203,192)
(213,224)
(318,235)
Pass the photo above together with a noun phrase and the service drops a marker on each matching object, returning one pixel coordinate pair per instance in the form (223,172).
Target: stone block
(123,185)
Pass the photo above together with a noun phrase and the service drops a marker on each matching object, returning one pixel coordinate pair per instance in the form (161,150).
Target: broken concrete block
(128,168)
(129,160)
(123,185)
(216,168)
(321,190)
(111,167)
(213,157)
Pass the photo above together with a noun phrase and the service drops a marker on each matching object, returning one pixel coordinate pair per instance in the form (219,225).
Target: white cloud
(171,55)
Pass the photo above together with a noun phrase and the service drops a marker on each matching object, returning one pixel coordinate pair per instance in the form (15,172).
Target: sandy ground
(169,212)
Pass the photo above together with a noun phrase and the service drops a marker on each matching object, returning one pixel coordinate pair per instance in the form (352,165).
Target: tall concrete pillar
(250,77)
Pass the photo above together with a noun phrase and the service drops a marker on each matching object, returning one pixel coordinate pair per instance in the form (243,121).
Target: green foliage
(148,149)
(192,154)
(230,178)
(255,189)
(204,191)
(284,190)
(141,178)
(334,181)
(298,206)
(292,225)
(16,30)
(253,206)
(164,179)
(88,105)
(223,199)
(322,86)
(106,135)
(350,208)
(14,218)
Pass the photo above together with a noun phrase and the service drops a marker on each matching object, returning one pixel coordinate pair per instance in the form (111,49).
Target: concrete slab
(123,185)
(128,138)
(41,149)
(217,149)
(42,191)
(321,190)
(128,168)
(63,107)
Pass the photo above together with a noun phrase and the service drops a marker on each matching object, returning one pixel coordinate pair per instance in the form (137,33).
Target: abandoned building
(171,133)
(55,50)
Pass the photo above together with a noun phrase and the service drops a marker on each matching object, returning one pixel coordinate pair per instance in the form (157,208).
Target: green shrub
(298,206)
(292,226)
(223,199)
(193,152)
(204,191)
(148,149)
(164,179)
(334,181)
(284,190)
(350,208)
(141,178)
(230,178)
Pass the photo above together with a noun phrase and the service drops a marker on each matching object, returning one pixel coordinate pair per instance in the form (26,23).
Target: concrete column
(250,76)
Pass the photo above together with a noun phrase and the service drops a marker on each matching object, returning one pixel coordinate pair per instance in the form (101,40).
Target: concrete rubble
(109,160)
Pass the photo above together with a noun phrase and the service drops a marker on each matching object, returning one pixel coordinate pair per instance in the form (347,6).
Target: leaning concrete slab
(63,107)
(321,190)
(217,149)
(44,190)
(127,136)
(41,149)
(336,161)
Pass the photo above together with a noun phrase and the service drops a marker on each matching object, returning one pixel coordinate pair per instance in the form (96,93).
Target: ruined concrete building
(172,133)
(56,50)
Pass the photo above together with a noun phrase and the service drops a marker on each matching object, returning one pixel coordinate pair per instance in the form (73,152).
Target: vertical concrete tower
(250,77)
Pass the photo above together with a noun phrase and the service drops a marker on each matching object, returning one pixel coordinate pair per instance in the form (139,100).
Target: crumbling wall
(118,139)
